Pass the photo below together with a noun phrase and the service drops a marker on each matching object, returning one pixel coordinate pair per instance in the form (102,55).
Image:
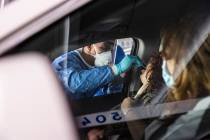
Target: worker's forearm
(88,80)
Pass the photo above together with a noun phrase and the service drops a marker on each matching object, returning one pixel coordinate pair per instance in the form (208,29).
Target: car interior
(139,20)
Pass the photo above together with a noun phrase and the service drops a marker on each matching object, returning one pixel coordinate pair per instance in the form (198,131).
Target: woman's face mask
(103,58)
(167,77)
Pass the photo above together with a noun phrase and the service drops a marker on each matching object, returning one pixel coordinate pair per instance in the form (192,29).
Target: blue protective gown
(82,80)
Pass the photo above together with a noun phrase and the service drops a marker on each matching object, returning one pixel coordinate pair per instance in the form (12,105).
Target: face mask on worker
(103,58)
(167,77)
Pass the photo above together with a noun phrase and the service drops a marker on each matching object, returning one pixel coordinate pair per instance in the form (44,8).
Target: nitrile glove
(127,62)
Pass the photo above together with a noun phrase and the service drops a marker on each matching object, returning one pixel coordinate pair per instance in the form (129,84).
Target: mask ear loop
(94,46)
(166,67)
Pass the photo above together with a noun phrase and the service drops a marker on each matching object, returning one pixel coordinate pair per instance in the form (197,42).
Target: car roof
(141,18)
(29,17)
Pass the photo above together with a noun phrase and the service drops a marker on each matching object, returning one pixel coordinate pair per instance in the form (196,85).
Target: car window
(85,64)
(132,72)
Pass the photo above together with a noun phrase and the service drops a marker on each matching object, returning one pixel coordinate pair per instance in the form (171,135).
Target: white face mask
(103,58)
(167,77)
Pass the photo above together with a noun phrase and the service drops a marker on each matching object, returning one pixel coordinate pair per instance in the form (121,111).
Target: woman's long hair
(194,80)
(179,40)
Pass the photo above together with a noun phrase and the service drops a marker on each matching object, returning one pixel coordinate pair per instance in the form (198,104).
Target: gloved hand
(127,62)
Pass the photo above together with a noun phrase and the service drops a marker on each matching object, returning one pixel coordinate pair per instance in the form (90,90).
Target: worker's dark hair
(108,45)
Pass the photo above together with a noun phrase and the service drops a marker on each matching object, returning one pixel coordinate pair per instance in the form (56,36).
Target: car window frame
(54,11)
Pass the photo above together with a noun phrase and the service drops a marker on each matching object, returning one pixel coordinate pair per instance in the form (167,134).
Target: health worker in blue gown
(88,71)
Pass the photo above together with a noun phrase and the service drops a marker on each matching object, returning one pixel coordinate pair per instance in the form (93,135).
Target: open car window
(87,72)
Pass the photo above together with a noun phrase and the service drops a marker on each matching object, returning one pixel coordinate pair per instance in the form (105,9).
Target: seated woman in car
(151,80)
(185,49)
(152,83)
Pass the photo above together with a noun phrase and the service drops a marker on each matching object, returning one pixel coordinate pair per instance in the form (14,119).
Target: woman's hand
(126,104)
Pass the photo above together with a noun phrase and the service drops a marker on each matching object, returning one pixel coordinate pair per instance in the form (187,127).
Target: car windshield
(139,70)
